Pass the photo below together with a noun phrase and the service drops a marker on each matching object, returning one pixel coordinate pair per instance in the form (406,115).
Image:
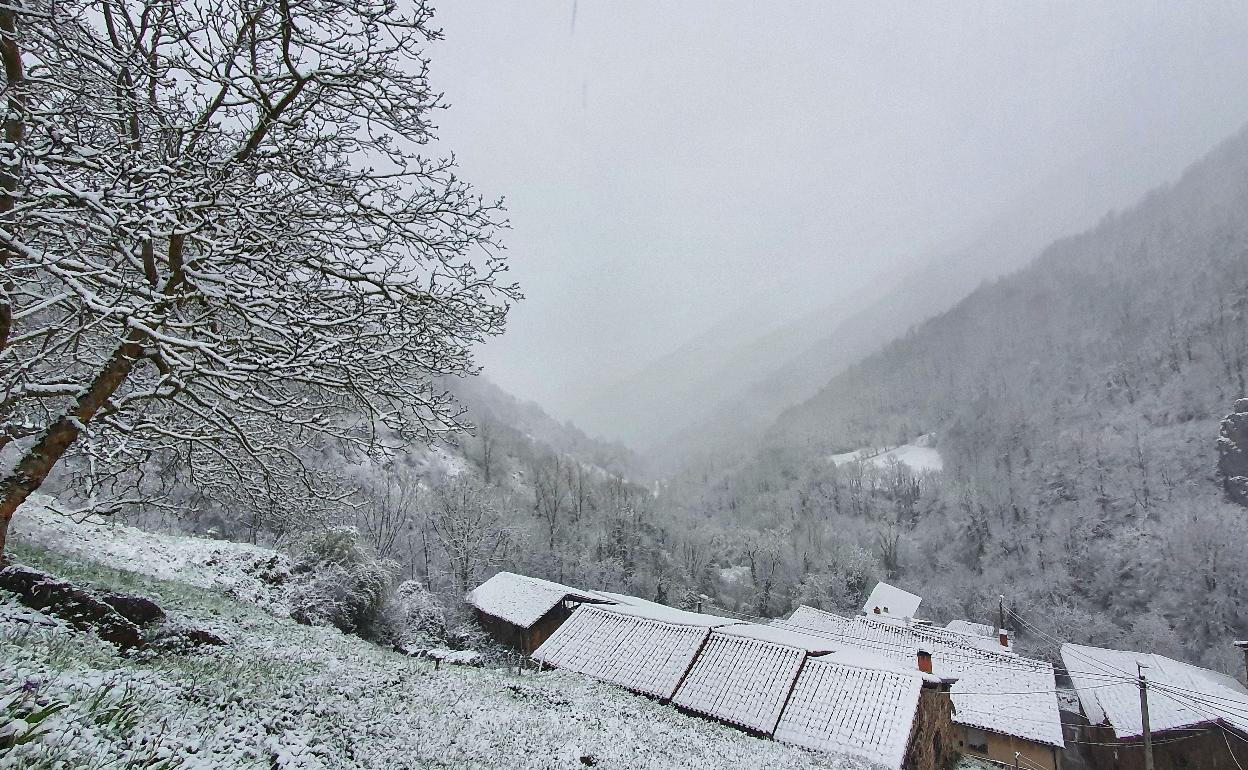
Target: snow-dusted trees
(221,243)
(471,530)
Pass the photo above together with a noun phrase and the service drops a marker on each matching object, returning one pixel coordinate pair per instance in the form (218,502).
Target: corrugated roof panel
(1180,694)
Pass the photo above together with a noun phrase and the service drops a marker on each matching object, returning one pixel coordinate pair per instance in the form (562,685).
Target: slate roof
(996,690)
(740,680)
(853,710)
(636,652)
(522,600)
(1180,694)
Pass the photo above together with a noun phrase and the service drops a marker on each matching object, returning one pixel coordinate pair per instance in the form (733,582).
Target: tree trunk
(34,467)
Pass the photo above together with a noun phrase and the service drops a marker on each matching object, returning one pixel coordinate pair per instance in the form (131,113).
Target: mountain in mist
(1076,405)
(725,386)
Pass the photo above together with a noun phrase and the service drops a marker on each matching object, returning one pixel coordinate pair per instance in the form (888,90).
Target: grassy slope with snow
(282,695)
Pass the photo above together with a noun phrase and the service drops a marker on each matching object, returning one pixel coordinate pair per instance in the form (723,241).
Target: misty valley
(850,386)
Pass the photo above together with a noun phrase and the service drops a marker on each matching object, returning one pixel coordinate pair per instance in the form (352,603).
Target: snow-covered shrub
(414,618)
(339,582)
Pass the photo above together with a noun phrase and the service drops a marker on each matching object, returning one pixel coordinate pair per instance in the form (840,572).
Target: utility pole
(1016,755)
(1001,632)
(1148,733)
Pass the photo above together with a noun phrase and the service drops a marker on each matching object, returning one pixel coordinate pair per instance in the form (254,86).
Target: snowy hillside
(281,695)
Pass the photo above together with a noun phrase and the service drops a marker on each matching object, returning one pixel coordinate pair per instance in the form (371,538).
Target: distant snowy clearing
(920,456)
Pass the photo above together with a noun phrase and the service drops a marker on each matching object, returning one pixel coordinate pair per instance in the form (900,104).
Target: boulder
(137,609)
(78,607)
(179,639)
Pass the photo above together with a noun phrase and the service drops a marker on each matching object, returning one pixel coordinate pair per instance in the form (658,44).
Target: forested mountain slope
(1076,405)
(748,391)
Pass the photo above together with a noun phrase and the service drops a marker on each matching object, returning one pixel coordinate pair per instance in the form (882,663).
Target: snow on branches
(221,243)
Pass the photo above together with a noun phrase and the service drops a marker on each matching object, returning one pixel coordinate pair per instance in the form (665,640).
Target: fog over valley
(683,179)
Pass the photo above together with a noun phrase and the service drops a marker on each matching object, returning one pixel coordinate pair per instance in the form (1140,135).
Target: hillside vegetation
(1076,405)
(281,695)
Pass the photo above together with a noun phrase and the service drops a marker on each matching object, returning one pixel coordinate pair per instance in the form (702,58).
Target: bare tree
(549,494)
(470,530)
(220,241)
(386,514)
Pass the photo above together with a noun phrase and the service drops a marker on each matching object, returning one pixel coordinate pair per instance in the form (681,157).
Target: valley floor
(282,695)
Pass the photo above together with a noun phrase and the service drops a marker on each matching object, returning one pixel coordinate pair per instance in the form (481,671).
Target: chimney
(1003,636)
(925,661)
(1243,646)
(876,610)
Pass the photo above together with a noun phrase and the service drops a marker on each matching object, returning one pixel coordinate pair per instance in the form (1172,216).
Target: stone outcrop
(129,622)
(76,606)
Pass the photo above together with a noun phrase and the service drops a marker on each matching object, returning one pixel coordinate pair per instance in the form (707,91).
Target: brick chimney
(1003,637)
(925,661)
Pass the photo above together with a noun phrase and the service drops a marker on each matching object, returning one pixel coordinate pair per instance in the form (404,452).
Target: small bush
(339,582)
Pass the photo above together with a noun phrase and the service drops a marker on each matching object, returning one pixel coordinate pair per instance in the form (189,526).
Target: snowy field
(920,456)
(281,695)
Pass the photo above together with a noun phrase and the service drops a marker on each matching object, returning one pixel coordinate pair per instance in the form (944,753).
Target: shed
(523,611)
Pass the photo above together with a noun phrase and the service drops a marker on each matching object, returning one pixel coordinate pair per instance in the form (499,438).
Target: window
(976,740)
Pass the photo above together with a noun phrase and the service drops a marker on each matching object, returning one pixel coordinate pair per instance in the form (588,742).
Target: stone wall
(934,739)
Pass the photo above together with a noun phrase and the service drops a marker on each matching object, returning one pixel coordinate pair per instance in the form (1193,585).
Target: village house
(1003,703)
(1198,718)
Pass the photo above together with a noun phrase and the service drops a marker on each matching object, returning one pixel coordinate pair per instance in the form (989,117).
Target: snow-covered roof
(648,609)
(848,709)
(1180,694)
(841,697)
(891,600)
(636,652)
(996,690)
(815,645)
(522,600)
(977,630)
(741,680)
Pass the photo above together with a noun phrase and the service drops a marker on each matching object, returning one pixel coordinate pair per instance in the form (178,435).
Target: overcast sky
(668,163)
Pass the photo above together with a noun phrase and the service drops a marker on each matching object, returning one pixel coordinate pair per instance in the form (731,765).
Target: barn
(1003,703)
(522,611)
(1198,718)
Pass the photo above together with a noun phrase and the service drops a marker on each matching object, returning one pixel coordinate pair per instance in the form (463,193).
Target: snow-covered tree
(222,241)
(472,532)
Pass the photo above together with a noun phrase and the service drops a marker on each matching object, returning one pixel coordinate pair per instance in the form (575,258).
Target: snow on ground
(286,696)
(920,455)
(251,573)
